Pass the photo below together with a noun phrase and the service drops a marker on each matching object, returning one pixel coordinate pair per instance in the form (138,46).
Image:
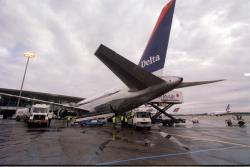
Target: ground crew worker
(132,114)
(125,121)
(114,121)
(129,114)
(122,121)
(68,119)
(50,115)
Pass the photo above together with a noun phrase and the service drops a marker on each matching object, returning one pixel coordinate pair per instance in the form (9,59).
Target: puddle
(116,136)
(174,140)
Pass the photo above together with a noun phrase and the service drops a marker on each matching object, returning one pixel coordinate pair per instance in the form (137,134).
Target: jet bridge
(167,101)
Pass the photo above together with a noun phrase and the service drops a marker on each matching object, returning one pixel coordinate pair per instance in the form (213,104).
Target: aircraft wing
(188,84)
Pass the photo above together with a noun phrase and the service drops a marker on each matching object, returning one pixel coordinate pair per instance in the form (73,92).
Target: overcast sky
(210,39)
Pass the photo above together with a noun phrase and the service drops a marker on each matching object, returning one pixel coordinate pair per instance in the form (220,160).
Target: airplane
(176,109)
(219,113)
(143,81)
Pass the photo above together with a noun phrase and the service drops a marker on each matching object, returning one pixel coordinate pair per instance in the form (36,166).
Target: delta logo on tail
(154,55)
(151,60)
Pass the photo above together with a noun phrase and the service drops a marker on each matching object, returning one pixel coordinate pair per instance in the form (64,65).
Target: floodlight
(29,54)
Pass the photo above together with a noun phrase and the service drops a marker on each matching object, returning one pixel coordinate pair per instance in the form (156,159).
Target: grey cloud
(209,40)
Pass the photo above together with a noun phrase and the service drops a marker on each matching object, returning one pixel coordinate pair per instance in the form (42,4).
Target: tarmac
(210,142)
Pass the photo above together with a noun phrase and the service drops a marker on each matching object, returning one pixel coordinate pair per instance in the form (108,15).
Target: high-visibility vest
(125,119)
(122,117)
(113,119)
(129,114)
(132,114)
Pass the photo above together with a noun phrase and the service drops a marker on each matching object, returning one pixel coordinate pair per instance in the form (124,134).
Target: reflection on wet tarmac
(124,137)
(44,130)
(20,145)
(174,140)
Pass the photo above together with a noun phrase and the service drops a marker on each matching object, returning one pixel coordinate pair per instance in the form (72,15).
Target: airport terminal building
(8,104)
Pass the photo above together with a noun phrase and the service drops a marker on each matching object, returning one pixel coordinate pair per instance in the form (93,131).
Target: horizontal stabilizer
(188,84)
(132,75)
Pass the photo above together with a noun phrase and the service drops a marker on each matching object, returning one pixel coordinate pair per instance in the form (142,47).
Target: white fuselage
(123,100)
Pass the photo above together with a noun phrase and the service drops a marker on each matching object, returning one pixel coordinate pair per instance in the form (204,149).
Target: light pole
(28,55)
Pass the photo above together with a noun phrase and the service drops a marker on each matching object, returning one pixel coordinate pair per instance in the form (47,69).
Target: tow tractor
(236,120)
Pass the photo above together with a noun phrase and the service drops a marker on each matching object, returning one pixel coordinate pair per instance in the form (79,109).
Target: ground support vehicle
(236,120)
(139,119)
(162,104)
(167,120)
(22,114)
(92,123)
(39,115)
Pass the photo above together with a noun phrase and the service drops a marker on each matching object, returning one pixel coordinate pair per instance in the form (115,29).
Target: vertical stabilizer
(228,108)
(153,58)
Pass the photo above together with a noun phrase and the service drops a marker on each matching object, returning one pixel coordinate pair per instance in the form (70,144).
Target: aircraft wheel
(241,123)
(17,119)
(29,125)
(229,123)
(170,124)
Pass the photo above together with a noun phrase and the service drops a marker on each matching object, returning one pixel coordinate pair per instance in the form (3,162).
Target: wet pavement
(209,143)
